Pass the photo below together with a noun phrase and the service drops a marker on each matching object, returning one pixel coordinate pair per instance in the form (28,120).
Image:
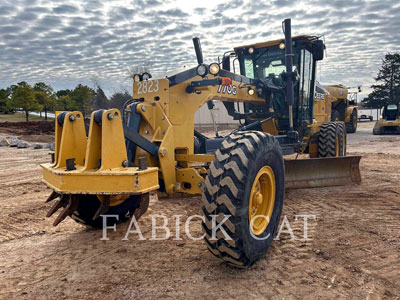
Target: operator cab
(265,64)
(390,112)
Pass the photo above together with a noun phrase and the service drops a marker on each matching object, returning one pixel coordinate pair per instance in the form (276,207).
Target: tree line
(387,87)
(42,98)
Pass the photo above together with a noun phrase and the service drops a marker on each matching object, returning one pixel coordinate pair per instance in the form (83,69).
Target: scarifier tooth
(56,206)
(104,206)
(52,196)
(68,210)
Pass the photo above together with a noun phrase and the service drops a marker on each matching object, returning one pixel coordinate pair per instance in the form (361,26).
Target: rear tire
(330,140)
(351,127)
(228,187)
(89,204)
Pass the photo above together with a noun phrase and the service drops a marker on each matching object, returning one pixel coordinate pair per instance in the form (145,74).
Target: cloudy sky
(68,42)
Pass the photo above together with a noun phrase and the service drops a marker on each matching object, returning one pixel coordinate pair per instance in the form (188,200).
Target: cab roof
(277,42)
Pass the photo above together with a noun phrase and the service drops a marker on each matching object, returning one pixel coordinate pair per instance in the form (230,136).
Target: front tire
(331,140)
(247,177)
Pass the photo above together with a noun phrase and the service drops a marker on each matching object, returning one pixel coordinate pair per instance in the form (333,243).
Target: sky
(64,43)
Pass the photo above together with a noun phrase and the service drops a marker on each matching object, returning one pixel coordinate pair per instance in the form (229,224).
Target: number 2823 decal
(147,86)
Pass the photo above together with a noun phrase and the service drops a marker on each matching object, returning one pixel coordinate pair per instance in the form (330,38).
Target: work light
(201,70)
(214,68)
(146,76)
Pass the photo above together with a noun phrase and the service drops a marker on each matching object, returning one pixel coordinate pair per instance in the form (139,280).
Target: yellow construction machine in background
(389,121)
(343,109)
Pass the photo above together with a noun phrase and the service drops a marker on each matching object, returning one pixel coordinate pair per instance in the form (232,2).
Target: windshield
(267,62)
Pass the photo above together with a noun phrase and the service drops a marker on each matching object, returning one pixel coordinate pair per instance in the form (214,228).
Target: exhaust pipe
(197,48)
(287,28)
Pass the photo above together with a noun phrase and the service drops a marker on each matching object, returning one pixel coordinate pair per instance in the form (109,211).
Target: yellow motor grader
(152,145)
(343,109)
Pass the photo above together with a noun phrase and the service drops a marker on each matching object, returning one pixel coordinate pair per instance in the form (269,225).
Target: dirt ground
(353,251)
(40,132)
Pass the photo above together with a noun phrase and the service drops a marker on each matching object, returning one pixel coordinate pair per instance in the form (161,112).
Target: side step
(321,172)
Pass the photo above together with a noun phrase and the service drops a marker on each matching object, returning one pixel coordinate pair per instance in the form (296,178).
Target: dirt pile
(27,128)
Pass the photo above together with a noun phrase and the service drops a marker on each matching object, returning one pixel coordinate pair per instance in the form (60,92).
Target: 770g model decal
(227,89)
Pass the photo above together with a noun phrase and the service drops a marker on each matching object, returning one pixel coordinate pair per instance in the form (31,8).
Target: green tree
(5,101)
(82,95)
(387,89)
(65,103)
(23,97)
(63,93)
(99,100)
(44,94)
(118,99)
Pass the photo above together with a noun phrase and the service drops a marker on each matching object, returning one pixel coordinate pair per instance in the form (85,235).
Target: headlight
(251,91)
(146,76)
(214,68)
(137,77)
(282,46)
(201,70)
(251,50)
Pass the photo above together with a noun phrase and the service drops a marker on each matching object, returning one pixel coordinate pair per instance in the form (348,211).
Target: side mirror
(318,50)
(226,62)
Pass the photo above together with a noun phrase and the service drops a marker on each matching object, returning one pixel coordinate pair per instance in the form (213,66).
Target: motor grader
(152,145)
(343,109)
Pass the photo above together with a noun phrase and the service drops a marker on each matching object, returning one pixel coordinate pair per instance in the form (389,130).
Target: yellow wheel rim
(262,199)
(344,145)
(114,199)
(337,146)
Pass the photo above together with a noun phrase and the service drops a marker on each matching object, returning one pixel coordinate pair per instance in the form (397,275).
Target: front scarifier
(90,175)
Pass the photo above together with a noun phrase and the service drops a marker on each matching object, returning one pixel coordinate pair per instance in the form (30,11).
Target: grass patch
(20,117)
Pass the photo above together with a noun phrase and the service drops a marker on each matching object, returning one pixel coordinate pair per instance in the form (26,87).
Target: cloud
(66,42)
(65,9)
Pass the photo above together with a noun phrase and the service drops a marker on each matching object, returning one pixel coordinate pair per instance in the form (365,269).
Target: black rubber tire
(227,191)
(335,115)
(328,139)
(342,138)
(88,205)
(351,127)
